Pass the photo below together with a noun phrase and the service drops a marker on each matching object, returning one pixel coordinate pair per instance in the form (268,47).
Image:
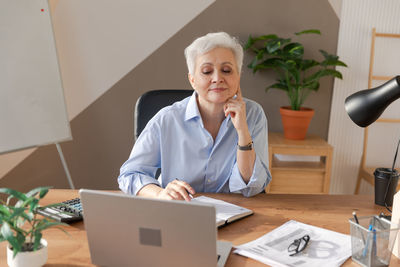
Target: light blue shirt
(176,141)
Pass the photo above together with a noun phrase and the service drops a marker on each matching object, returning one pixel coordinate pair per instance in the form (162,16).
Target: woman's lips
(218,89)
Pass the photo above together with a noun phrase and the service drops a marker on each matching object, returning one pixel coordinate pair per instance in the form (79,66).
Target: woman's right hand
(176,190)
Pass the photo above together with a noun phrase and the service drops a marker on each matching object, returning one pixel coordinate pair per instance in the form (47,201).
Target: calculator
(70,211)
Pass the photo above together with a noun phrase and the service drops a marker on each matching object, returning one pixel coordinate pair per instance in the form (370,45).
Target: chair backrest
(151,102)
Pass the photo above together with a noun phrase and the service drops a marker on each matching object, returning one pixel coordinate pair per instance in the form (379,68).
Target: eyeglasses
(298,245)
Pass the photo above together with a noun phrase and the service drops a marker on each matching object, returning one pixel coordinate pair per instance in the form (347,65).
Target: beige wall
(103,131)
(358,17)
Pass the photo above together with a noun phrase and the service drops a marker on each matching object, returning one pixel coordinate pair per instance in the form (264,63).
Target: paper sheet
(325,248)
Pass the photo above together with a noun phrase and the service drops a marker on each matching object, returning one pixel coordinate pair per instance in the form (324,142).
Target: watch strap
(249,146)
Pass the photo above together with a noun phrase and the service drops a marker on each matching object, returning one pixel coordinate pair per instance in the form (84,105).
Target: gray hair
(210,41)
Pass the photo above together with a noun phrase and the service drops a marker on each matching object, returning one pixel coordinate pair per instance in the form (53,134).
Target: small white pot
(28,258)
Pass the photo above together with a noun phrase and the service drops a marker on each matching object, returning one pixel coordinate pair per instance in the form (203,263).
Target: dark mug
(384,176)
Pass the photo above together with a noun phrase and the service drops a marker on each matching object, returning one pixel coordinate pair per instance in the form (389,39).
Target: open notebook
(225,212)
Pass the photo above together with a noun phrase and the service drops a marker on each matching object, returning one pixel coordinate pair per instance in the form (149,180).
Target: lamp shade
(364,107)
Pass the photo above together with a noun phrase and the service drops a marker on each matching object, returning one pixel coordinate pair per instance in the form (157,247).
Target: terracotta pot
(28,258)
(296,122)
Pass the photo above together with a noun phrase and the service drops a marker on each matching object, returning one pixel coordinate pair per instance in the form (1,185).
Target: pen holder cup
(372,240)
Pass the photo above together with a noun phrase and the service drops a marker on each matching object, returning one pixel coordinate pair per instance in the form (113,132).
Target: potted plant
(296,76)
(22,229)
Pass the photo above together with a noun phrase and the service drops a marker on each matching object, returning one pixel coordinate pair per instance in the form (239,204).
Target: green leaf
(332,62)
(328,56)
(249,43)
(4,211)
(19,212)
(33,205)
(46,224)
(272,46)
(308,63)
(314,85)
(314,31)
(294,50)
(279,86)
(321,73)
(13,193)
(41,190)
(265,37)
(36,242)
(8,235)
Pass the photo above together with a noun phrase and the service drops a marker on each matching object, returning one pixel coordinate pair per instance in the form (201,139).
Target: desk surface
(270,211)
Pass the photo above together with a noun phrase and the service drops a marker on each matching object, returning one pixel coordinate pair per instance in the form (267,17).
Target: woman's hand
(237,108)
(176,190)
(245,159)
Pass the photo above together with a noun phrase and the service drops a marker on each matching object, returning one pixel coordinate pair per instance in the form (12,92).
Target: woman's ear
(191,80)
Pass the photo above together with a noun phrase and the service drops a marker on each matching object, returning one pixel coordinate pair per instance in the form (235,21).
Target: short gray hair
(210,41)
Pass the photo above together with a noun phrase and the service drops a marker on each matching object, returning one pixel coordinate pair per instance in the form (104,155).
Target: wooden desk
(270,211)
(299,177)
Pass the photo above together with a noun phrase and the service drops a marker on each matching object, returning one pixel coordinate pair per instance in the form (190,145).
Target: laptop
(124,230)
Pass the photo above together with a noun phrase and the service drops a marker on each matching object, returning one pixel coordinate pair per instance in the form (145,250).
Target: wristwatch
(249,146)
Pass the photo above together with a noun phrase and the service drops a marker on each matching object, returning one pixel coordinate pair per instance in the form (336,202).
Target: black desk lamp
(364,107)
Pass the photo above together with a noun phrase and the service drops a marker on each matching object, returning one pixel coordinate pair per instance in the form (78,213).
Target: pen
(370,228)
(190,195)
(374,244)
(355,217)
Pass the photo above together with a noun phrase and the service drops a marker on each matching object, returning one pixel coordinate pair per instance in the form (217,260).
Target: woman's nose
(217,77)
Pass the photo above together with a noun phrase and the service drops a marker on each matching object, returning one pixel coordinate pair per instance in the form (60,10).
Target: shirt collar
(192,110)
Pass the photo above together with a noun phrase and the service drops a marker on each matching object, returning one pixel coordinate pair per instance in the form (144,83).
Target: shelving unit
(299,177)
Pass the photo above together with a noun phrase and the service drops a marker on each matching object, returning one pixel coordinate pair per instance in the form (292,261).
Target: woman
(213,141)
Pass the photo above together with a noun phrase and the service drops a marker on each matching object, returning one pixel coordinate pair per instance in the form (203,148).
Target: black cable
(391,176)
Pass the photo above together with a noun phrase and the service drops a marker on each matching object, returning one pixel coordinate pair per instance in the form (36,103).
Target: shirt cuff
(132,184)
(257,183)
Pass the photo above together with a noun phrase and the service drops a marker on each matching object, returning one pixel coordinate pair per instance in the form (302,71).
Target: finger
(184,193)
(175,195)
(230,110)
(187,186)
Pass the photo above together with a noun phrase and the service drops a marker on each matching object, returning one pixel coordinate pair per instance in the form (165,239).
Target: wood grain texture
(270,211)
(299,177)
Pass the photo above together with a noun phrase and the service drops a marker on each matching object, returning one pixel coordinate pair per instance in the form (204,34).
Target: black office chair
(151,102)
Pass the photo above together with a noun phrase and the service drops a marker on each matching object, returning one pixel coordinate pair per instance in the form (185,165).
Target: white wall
(100,41)
(358,17)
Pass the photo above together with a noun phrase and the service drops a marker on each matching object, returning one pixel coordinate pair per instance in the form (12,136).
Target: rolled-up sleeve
(141,167)
(261,175)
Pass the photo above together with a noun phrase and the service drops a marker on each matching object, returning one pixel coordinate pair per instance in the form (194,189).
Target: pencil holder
(372,241)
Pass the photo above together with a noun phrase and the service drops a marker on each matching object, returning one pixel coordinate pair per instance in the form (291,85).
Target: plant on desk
(22,229)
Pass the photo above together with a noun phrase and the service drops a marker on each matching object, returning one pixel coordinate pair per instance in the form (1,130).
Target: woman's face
(216,78)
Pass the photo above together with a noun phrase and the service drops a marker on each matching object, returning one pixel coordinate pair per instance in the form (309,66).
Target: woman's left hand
(237,108)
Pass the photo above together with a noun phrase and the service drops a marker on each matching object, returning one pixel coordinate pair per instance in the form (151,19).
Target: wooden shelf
(299,177)
(304,166)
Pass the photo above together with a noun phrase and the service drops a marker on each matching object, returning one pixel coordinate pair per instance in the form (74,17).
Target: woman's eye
(226,70)
(206,71)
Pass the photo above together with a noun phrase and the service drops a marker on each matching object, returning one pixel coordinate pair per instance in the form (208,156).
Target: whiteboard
(32,104)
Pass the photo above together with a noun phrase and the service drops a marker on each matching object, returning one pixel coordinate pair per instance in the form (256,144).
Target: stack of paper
(325,248)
